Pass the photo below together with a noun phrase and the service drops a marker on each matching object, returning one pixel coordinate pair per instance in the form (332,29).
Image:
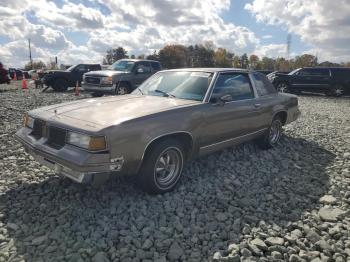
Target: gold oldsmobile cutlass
(174,116)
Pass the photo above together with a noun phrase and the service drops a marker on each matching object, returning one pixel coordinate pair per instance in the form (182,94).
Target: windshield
(294,71)
(70,69)
(178,84)
(122,65)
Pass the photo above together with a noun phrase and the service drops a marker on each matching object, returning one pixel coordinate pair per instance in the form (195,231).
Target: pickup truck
(333,81)
(61,80)
(120,78)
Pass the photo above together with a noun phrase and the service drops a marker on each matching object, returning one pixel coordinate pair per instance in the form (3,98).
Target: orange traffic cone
(24,84)
(15,76)
(77,89)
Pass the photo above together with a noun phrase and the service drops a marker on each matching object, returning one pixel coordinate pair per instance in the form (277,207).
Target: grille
(38,128)
(92,80)
(57,137)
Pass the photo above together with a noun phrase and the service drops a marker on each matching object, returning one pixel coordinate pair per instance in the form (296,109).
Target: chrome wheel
(282,87)
(338,90)
(168,167)
(275,132)
(122,90)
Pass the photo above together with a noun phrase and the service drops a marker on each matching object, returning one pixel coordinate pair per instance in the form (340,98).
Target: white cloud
(323,24)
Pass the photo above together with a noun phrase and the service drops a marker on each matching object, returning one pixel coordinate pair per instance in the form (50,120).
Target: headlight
(28,121)
(107,80)
(93,143)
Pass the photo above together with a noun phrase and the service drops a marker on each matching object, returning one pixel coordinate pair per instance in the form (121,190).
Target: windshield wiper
(140,90)
(164,93)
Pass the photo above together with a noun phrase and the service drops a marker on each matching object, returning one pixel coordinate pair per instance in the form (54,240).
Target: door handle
(257,105)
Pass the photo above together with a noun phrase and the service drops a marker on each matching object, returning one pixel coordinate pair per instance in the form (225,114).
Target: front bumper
(69,161)
(97,88)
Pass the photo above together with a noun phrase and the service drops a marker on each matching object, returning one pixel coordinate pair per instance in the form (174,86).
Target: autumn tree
(200,56)
(305,60)
(236,62)
(173,56)
(244,61)
(253,61)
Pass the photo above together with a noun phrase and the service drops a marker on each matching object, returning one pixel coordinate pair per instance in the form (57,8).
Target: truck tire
(272,134)
(162,167)
(122,89)
(60,85)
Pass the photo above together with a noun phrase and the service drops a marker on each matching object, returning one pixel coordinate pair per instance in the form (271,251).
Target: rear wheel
(60,85)
(337,90)
(162,167)
(122,89)
(272,135)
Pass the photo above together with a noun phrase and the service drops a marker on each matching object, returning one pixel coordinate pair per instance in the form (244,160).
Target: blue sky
(81,31)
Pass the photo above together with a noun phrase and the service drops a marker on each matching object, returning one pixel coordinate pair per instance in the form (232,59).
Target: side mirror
(139,70)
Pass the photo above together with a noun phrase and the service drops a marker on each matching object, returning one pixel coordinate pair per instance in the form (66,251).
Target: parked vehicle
(18,72)
(4,76)
(61,80)
(120,78)
(333,81)
(174,116)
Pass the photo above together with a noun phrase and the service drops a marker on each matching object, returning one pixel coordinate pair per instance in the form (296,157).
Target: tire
(272,136)
(60,85)
(337,91)
(283,87)
(97,94)
(162,167)
(122,89)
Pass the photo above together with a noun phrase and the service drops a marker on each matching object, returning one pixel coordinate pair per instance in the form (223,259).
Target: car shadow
(219,199)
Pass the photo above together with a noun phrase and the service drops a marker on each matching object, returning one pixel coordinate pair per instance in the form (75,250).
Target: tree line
(206,55)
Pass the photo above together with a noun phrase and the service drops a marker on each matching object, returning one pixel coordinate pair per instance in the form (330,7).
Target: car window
(235,84)
(81,68)
(145,66)
(155,66)
(263,85)
(94,67)
(314,72)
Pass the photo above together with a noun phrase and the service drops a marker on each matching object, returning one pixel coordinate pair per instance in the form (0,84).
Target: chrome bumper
(97,88)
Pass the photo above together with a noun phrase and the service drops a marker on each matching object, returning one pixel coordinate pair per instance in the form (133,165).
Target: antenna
(289,43)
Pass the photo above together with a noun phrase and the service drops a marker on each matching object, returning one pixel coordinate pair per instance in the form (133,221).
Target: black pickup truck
(61,80)
(333,81)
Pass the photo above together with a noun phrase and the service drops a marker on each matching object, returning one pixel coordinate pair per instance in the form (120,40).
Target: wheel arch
(183,137)
(281,114)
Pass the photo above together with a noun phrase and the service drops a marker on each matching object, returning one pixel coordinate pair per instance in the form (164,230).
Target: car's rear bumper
(74,163)
(97,88)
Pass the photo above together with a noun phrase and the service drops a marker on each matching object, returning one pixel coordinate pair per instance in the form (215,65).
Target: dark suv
(333,81)
(61,80)
(120,78)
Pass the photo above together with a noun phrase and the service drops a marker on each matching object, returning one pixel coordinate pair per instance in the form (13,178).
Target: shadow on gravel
(218,200)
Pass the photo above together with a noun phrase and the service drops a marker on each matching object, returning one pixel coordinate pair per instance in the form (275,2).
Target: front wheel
(122,89)
(282,87)
(272,135)
(162,167)
(60,85)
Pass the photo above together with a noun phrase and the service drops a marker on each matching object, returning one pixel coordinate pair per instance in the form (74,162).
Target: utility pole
(30,54)
(289,42)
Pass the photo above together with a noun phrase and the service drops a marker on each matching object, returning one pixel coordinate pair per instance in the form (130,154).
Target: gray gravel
(243,204)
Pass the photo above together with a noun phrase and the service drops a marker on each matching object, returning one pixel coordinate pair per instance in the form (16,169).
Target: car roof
(138,60)
(211,69)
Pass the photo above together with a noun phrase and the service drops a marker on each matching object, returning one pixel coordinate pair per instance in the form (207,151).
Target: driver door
(79,71)
(142,71)
(231,122)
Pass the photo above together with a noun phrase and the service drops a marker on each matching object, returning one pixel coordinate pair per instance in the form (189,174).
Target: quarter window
(263,85)
(235,84)
(145,67)
(155,66)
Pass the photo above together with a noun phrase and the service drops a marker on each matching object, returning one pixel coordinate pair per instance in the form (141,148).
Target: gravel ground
(290,203)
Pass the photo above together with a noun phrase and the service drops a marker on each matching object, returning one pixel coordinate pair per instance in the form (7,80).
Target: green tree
(200,55)
(36,65)
(223,58)
(173,56)
(244,61)
(114,54)
(236,62)
(154,56)
(267,63)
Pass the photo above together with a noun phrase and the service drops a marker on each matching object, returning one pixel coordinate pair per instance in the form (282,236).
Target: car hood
(97,113)
(105,73)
